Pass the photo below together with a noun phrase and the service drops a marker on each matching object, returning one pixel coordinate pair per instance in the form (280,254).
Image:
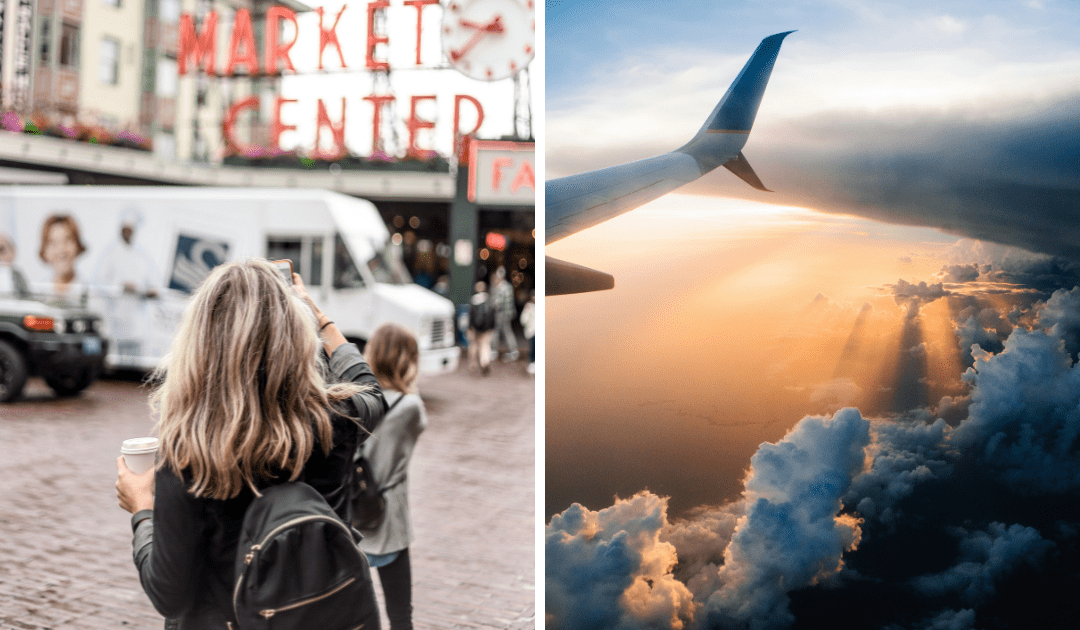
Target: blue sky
(588,40)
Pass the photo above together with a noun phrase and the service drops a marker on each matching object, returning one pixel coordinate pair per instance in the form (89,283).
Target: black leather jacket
(186,552)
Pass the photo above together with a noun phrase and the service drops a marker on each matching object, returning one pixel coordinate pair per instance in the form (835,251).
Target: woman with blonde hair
(243,404)
(393,355)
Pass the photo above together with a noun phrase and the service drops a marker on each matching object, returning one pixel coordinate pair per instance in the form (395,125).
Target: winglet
(737,110)
(742,168)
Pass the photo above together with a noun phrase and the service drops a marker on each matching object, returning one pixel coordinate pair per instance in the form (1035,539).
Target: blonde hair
(241,396)
(394,358)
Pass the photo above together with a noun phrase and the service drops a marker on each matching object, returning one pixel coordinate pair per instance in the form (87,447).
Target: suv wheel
(70,384)
(13,371)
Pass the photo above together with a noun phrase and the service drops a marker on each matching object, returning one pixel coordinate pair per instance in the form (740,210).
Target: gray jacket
(389,450)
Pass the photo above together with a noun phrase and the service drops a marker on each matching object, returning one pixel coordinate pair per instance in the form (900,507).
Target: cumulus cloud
(700,538)
(613,568)
(902,455)
(985,557)
(609,569)
(960,273)
(971,332)
(793,534)
(903,290)
(1024,418)
(1061,314)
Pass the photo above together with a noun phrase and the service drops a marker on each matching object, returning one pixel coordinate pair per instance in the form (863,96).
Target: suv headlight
(78,326)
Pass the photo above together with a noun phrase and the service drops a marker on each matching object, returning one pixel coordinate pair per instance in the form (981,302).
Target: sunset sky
(916,265)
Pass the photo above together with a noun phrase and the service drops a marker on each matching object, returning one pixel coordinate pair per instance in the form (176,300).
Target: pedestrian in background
(394,358)
(481,323)
(505,313)
(243,404)
(528,325)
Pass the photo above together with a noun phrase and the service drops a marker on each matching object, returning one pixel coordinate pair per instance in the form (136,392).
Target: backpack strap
(394,404)
(360,449)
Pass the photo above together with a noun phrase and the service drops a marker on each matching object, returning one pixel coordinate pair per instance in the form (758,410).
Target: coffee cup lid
(139,445)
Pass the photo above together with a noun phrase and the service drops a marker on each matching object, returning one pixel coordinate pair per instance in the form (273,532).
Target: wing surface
(581,201)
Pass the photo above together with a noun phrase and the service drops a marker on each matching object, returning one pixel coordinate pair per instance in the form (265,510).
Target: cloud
(903,291)
(949,25)
(960,273)
(793,534)
(1023,420)
(1061,314)
(971,332)
(609,569)
(985,557)
(902,455)
(700,538)
(946,170)
(613,568)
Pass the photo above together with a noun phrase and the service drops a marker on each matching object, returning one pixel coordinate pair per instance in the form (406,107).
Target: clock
(489,39)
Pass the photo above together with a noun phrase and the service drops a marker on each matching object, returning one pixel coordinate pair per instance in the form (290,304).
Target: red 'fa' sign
(198,48)
(502,173)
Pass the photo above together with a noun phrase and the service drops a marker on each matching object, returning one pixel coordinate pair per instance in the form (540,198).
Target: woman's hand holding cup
(135,492)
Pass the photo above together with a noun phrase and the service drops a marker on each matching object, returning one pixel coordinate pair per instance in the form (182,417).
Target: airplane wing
(581,201)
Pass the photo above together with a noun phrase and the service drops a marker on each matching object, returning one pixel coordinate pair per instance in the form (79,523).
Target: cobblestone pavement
(65,545)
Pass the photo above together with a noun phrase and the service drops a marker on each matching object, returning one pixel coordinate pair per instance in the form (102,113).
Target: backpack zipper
(270,612)
(257,546)
(288,524)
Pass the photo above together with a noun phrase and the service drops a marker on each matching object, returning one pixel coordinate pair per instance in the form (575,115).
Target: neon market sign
(197,52)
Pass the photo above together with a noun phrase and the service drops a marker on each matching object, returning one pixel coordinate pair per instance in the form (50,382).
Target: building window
(169,11)
(165,146)
(165,84)
(46,39)
(69,46)
(112,3)
(109,61)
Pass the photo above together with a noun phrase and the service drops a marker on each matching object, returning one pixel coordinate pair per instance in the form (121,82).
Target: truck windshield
(387,267)
(346,275)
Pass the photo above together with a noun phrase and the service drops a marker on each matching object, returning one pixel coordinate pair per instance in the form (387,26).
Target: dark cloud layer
(1011,179)
(1007,174)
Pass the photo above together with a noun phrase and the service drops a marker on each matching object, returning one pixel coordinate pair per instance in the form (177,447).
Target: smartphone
(285,267)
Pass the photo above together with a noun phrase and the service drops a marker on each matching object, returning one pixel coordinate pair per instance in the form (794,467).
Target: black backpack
(482,316)
(298,566)
(368,503)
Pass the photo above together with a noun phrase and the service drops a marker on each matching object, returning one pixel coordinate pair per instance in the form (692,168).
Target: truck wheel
(70,384)
(13,371)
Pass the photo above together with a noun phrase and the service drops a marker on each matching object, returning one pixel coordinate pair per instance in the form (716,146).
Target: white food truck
(134,255)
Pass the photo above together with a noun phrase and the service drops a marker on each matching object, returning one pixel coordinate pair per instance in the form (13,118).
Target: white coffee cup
(139,453)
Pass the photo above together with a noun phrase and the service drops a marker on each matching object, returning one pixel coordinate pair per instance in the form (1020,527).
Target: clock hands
(494,26)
